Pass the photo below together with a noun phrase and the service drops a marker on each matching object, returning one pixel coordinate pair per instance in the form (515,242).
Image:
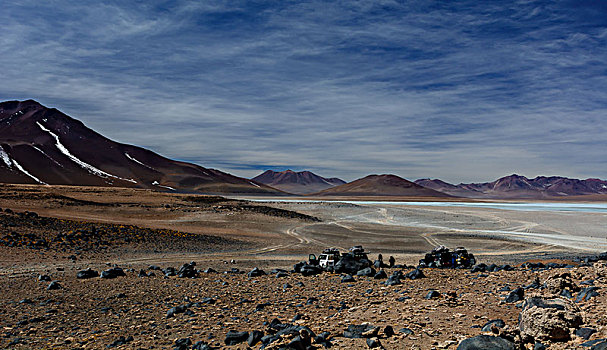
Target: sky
(464,91)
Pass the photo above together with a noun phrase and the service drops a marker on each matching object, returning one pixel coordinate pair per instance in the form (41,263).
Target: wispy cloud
(463,91)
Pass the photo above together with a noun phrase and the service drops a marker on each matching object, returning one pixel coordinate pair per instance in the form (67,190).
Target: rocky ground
(156,307)
(113,270)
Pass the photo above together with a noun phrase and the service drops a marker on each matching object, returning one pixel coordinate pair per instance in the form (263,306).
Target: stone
(361,331)
(498,323)
(188,271)
(486,342)
(54,285)
(254,337)
(235,338)
(350,265)
(88,273)
(367,271)
(44,278)
(389,331)
(373,343)
(548,319)
(176,310)
(516,295)
(256,272)
(380,275)
(586,294)
(415,274)
(281,274)
(559,282)
(113,273)
(347,279)
(432,295)
(183,344)
(310,270)
(585,332)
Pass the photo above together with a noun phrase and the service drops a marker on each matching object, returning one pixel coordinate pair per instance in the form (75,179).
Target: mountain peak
(42,145)
(301,182)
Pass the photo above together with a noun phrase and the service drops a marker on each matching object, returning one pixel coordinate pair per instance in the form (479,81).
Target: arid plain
(75,228)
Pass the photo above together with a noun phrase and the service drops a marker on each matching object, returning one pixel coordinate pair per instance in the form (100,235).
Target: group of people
(391,260)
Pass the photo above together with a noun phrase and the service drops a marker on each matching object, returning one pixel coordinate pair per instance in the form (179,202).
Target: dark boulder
(373,343)
(486,342)
(432,295)
(415,274)
(349,264)
(176,310)
(367,271)
(380,275)
(235,338)
(88,273)
(498,323)
(113,273)
(516,295)
(281,274)
(347,278)
(585,332)
(254,337)
(44,278)
(54,285)
(361,331)
(183,344)
(256,272)
(310,270)
(188,271)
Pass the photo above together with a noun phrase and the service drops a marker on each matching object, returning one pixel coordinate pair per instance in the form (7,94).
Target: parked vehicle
(442,257)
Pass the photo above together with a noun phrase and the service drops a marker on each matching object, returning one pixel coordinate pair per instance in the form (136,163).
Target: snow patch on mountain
(76,160)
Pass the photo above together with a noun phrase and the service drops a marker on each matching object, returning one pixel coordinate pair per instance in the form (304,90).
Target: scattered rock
(234,338)
(120,341)
(373,343)
(361,331)
(88,273)
(347,279)
(44,278)
(585,332)
(415,274)
(256,272)
(516,295)
(113,273)
(54,285)
(486,342)
(432,295)
(586,294)
(489,326)
(368,271)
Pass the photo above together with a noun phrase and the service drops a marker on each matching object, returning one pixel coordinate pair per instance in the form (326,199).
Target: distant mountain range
(381,185)
(303,182)
(516,186)
(39,145)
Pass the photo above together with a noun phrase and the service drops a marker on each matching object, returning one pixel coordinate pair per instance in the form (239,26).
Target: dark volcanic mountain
(44,146)
(303,182)
(516,186)
(381,185)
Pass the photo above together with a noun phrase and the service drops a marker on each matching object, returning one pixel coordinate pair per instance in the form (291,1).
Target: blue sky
(458,90)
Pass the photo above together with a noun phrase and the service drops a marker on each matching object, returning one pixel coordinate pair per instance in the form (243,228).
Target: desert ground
(57,231)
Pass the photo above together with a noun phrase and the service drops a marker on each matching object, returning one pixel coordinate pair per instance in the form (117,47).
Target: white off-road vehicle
(327,259)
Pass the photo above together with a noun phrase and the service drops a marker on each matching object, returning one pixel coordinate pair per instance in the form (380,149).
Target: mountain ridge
(302,182)
(381,185)
(517,186)
(45,146)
